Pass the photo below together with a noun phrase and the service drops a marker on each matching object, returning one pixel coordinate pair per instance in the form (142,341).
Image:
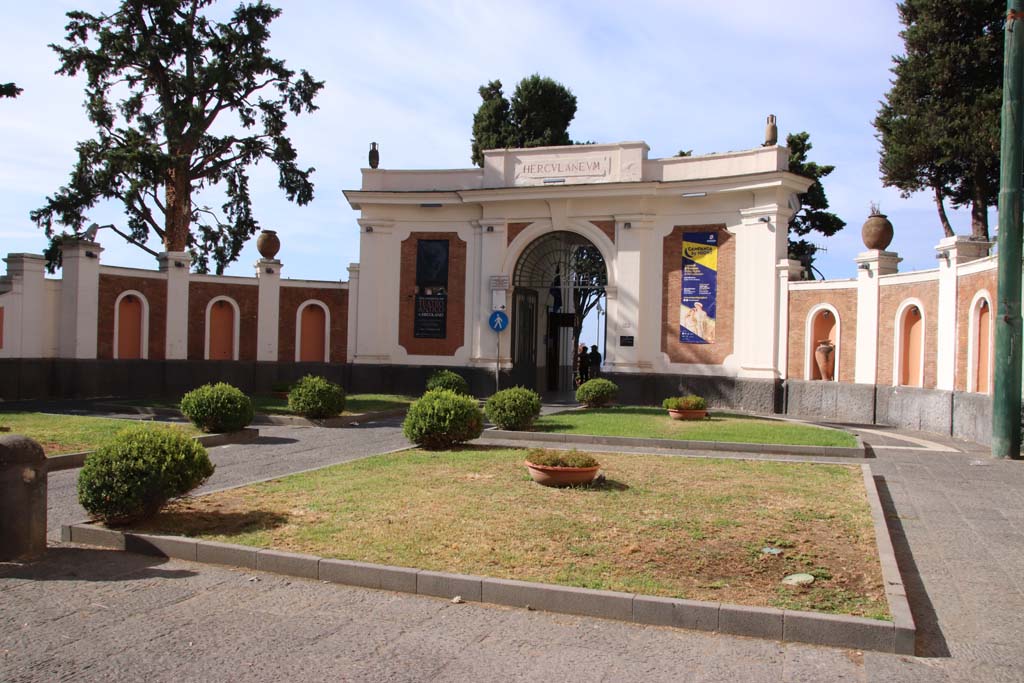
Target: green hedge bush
(551,458)
(688,402)
(217,408)
(514,408)
(442,418)
(446,379)
(315,397)
(134,475)
(596,392)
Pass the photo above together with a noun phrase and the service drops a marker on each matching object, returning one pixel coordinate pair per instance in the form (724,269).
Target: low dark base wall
(952,413)
(754,395)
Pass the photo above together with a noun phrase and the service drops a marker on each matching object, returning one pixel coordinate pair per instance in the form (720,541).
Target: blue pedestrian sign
(498,321)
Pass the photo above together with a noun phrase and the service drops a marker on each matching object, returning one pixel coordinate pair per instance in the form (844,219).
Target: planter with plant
(691,407)
(561,468)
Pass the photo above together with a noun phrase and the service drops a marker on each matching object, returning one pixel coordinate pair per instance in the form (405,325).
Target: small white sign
(499,282)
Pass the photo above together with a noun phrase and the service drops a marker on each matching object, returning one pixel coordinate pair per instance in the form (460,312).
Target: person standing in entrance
(594,361)
(582,365)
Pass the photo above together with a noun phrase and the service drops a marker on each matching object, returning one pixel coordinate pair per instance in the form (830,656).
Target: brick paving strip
(860,633)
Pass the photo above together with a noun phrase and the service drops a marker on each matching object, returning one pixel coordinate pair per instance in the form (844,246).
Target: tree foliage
(812,215)
(538,115)
(9,90)
(159,75)
(939,124)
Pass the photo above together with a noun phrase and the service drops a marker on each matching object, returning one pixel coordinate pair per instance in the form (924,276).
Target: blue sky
(678,75)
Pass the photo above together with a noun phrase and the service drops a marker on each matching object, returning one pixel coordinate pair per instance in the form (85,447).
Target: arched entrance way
(559,278)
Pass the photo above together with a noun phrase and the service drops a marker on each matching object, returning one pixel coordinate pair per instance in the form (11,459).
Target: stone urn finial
(374,155)
(877,230)
(268,244)
(771,132)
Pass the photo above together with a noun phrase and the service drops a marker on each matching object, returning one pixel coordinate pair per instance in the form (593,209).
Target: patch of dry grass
(672,526)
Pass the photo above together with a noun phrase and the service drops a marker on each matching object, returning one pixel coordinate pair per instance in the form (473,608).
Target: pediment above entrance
(577,165)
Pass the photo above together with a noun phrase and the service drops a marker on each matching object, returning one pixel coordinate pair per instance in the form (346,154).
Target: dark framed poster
(430,317)
(699,293)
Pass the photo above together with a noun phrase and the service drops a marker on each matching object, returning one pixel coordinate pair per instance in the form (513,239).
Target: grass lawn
(70,433)
(355,404)
(672,526)
(645,422)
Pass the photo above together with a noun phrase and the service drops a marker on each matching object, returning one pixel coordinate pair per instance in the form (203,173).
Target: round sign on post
(498,321)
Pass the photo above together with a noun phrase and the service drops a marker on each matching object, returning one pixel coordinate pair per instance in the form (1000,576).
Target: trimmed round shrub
(595,393)
(552,458)
(446,379)
(514,408)
(315,397)
(141,469)
(688,402)
(217,408)
(441,418)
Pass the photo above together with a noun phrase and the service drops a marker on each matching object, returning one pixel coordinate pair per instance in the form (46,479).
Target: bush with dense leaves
(446,379)
(688,402)
(315,397)
(596,393)
(514,408)
(441,418)
(550,458)
(141,469)
(217,408)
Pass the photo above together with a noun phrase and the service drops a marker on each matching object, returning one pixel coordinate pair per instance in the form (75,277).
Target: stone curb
(857,451)
(895,591)
(760,622)
(70,461)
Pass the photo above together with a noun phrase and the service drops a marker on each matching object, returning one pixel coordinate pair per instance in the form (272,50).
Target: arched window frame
(809,343)
(972,338)
(327,328)
(897,362)
(234,331)
(144,335)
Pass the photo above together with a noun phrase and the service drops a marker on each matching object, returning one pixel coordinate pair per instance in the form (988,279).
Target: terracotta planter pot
(876,232)
(825,357)
(688,414)
(562,476)
(268,244)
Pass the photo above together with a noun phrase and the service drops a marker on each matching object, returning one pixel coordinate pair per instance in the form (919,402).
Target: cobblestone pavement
(84,614)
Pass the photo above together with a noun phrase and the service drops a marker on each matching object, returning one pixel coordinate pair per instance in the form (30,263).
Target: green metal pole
(1006,398)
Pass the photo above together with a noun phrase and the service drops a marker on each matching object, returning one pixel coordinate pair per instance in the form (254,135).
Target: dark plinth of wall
(753,395)
(972,417)
(851,403)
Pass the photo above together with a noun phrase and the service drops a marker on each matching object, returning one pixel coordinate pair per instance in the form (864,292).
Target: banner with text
(699,288)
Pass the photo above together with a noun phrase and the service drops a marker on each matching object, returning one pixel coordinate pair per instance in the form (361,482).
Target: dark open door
(559,352)
(524,338)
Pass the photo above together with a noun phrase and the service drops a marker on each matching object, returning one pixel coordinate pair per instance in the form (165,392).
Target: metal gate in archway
(557,280)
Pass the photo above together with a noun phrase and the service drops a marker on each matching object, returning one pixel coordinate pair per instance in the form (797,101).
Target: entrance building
(687,255)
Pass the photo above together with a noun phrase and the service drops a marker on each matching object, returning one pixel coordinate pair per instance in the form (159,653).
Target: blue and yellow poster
(700,288)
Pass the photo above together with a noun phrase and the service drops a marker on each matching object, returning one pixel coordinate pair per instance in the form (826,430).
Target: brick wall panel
(199,296)
(155,291)
(336,301)
(967,287)
(800,304)
(889,299)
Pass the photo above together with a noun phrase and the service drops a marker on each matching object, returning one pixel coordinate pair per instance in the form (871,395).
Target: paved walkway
(85,614)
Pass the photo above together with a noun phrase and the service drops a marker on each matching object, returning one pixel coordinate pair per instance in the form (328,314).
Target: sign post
(498,321)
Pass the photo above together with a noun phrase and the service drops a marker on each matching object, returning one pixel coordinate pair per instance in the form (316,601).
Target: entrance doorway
(558,280)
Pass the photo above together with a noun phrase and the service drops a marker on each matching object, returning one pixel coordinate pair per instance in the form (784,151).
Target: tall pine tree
(939,124)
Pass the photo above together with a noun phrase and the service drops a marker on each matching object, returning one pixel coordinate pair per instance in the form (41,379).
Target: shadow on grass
(196,523)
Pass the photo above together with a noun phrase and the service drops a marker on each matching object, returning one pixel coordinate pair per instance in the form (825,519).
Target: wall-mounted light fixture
(369,228)
(90,254)
(269,271)
(692,195)
(764,219)
(430,205)
(490,228)
(554,181)
(942,256)
(627,225)
(179,264)
(864,266)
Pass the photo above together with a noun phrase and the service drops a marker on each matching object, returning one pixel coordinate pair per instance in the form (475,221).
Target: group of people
(588,364)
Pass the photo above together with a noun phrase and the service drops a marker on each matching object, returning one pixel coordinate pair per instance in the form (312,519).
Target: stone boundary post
(22,498)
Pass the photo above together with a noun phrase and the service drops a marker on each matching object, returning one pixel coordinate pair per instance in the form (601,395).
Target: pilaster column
(631,285)
(268,275)
(25,312)
(870,265)
(951,252)
(176,265)
(79,299)
(352,328)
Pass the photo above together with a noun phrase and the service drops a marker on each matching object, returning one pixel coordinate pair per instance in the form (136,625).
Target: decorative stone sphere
(876,232)
(268,244)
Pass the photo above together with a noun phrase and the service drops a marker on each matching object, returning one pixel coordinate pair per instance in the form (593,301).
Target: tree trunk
(179,209)
(947,229)
(979,215)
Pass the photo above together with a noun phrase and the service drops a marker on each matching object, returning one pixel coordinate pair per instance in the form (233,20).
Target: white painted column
(377,311)
(626,318)
(177,265)
(951,252)
(786,270)
(268,275)
(25,307)
(79,299)
(758,254)
(870,265)
(352,329)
